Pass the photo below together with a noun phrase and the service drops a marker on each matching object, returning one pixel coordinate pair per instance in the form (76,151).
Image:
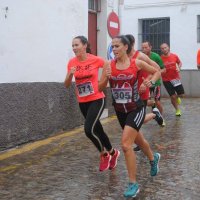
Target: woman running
(129,107)
(84,67)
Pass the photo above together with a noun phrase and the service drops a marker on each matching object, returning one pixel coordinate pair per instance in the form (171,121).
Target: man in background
(155,91)
(171,78)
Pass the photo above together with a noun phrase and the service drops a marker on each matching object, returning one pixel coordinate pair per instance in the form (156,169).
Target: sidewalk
(65,167)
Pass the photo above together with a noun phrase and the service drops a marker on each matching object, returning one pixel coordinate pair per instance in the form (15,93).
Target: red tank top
(124,87)
(142,74)
(135,54)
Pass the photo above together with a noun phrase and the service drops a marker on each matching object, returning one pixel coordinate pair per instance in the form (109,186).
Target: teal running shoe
(132,190)
(154,164)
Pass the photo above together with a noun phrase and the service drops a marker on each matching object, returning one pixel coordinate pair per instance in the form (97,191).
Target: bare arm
(104,76)
(69,77)
(151,70)
(180,64)
(146,59)
(162,71)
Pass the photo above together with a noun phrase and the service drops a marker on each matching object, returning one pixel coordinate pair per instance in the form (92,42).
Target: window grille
(156,31)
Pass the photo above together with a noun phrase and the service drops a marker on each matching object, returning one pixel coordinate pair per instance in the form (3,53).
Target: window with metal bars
(198,28)
(156,31)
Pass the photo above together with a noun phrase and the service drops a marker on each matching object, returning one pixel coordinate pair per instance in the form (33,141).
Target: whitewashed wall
(183,24)
(36,38)
(35,46)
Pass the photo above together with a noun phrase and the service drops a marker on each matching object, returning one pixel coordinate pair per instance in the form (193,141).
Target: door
(92,31)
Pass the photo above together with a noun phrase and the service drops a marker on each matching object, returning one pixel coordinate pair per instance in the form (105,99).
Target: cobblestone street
(65,167)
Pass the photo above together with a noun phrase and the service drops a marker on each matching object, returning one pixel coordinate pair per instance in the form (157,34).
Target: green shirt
(156,58)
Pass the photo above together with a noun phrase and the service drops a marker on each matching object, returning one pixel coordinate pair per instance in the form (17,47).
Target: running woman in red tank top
(129,108)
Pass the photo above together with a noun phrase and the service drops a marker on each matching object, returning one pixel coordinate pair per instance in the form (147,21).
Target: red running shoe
(113,161)
(104,162)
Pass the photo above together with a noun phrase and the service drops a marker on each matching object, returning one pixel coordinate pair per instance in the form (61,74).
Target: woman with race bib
(129,107)
(84,67)
(171,77)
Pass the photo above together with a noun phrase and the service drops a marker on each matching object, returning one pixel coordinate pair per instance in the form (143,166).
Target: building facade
(35,47)
(175,22)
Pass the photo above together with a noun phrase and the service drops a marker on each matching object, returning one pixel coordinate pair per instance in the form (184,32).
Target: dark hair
(125,41)
(165,43)
(147,43)
(84,40)
(131,39)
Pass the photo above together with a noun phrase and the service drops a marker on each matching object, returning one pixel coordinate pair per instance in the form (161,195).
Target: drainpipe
(120,7)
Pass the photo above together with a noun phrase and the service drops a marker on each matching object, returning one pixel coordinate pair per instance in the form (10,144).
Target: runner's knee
(126,147)
(174,96)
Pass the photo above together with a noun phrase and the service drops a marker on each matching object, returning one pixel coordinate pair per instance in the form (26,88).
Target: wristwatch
(152,83)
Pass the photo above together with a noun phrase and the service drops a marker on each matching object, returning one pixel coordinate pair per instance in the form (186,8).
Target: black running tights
(93,129)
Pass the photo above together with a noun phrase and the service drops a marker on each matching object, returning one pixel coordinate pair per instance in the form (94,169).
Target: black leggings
(93,129)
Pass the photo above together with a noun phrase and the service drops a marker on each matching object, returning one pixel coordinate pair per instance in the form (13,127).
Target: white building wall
(183,24)
(36,38)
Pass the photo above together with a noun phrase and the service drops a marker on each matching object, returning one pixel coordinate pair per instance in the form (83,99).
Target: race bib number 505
(122,95)
(85,89)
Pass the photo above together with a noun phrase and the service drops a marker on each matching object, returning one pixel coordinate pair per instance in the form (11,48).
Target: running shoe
(178,112)
(113,161)
(158,116)
(178,100)
(154,164)
(137,148)
(132,190)
(104,162)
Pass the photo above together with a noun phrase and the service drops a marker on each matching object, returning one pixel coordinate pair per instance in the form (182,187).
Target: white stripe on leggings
(98,116)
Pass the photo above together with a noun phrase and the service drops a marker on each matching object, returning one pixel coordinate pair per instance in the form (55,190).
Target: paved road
(65,167)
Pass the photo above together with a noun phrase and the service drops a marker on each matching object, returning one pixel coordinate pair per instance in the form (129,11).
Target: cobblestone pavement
(67,167)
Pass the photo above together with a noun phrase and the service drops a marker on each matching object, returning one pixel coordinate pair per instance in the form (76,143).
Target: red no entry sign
(113,24)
